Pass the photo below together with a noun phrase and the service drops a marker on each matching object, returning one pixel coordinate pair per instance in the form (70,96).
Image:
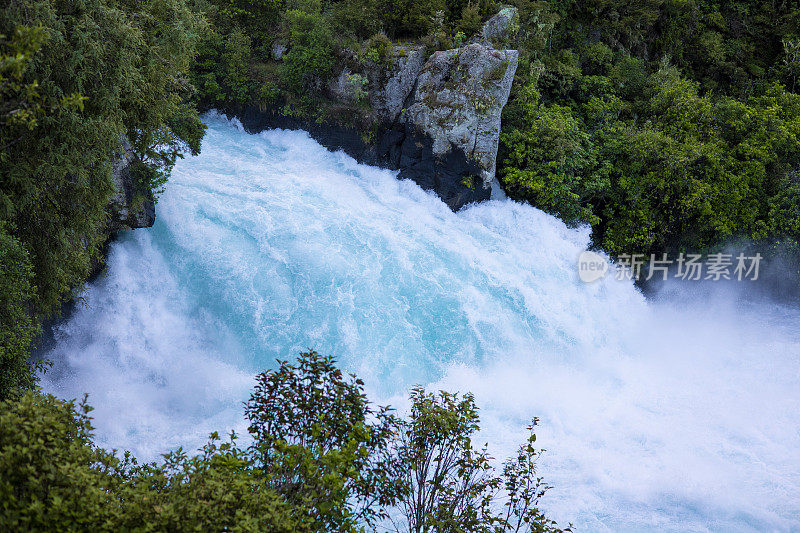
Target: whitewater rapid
(680,414)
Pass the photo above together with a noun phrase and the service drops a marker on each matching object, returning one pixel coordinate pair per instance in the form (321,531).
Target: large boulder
(458,100)
(435,119)
(441,115)
(449,117)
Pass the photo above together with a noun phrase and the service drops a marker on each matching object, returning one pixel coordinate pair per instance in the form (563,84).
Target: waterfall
(680,413)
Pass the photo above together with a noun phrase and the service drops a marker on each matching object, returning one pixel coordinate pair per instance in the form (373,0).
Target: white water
(682,415)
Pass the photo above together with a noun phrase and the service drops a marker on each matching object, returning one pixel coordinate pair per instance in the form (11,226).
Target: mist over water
(680,413)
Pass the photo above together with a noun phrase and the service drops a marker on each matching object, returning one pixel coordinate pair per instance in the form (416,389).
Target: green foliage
(379,50)
(322,459)
(659,123)
(622,115)
(537,21)
(357,87)
(310,58)
(21,102)
(218,489)
(255,17)
(470,22)
(452,483)
(453,486)
(221,70)
(525,488)
(18,329)
(281,55)
(550,162)
(411,18)
(74,80)
(359,18)
(322,446)
(53,478)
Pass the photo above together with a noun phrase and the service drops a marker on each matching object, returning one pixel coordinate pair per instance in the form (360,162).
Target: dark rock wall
(398,146)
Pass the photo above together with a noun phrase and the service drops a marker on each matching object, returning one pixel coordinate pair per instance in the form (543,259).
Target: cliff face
(131,206)
(438,117)
(458,100)
(447,132)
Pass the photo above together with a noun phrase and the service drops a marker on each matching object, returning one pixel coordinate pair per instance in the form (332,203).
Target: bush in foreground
(322,458)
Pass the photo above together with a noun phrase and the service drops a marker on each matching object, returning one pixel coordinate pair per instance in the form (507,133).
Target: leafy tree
(362,18)
(53,478)
(256,17)
(452,483)
(219,489)
(411,18)
(551,161)
(524,489)
(664,125)
(18,327)
(310,58)
(322,445)
(21,102)
(221,71)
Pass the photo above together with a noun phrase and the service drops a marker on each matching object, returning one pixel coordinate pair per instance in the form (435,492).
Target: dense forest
(665,125)
(74,78)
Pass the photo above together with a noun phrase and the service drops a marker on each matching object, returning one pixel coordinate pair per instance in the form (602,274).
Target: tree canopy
(665,125)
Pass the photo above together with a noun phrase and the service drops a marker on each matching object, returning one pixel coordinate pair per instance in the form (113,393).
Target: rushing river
(681,413)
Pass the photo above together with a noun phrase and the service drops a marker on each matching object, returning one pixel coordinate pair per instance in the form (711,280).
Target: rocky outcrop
(278,50)
(458,100)
(389,99)
(437,117)
(131,206)
(445,113)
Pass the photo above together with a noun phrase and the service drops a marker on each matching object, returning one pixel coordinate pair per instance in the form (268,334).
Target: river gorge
(668,413)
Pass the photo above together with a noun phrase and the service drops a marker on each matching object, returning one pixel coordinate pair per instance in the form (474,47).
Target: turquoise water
(676,415)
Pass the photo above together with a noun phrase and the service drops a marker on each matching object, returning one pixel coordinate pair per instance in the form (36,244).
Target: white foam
(660,416)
